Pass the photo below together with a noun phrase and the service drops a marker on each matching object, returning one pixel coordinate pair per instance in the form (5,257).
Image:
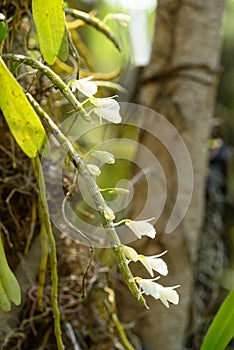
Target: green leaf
(21,118)
(14,67)
(3,32)
(49,20)
(221,329)
(63,50)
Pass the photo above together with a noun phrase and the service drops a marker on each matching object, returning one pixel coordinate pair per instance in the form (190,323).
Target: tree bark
(179,83)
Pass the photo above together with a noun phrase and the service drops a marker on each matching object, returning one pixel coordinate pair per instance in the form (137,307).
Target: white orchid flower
(107,108)
(103,156)
(94,169)
(151,263)
(85,86)
(141,228)
(157,291)
(154,263)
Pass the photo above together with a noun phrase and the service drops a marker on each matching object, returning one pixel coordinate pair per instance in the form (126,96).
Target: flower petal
(146,263)
(158,265)
(149,287)
(157,291)
(171,295)
(141,228)
(108,109)
(85,86)
(168,294)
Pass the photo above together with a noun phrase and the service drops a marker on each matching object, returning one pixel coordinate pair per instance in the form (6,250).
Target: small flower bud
(94,169)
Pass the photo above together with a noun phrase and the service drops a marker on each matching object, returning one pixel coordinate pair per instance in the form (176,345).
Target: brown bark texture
(179,83)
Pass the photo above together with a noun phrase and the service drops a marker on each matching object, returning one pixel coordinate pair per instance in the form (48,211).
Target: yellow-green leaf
(21,118)
(49,20)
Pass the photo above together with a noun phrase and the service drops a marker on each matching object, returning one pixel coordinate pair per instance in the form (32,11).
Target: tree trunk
(179,83)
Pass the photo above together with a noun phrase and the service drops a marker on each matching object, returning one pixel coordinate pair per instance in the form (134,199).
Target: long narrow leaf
(221,329)
(49,20)
(20,116)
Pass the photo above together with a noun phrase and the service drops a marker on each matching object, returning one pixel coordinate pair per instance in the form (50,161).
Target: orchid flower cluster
(151,263)
(108,108)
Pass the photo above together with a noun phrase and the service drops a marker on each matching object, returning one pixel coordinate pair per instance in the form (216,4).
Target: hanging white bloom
(107,108)
(154,263)
(157,291)
(85,86)
(151,263)
(103,156)
(94,169)
(130,253)
(168,294)
(141,228)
